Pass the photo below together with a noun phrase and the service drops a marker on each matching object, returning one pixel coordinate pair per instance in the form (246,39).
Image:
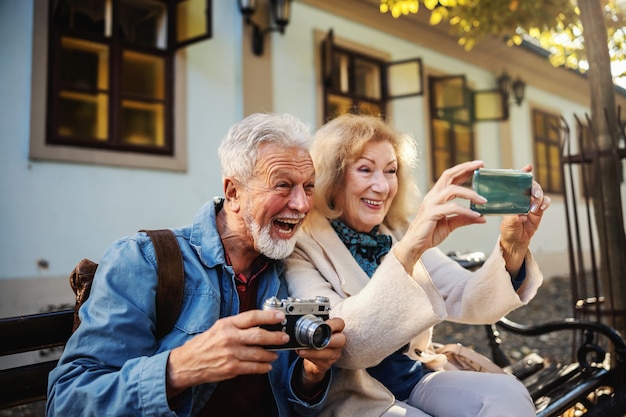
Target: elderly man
(213,361)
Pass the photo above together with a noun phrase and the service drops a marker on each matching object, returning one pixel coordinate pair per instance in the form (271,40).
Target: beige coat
(393,308)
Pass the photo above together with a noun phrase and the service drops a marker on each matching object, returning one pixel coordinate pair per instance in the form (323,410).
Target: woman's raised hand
(438,215)
(516,231)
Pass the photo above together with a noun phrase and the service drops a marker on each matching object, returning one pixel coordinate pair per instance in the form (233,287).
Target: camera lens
(311,331)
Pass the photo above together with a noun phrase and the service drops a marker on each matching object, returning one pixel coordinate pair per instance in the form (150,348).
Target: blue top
(113,365)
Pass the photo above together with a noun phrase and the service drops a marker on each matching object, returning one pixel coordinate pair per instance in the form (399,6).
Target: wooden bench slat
(550,377)
(24,384)
(35,331)
(567,395)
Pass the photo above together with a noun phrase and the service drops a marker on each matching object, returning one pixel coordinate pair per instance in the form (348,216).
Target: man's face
(278,196)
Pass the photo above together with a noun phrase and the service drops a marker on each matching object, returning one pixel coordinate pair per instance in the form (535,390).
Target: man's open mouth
(286,226)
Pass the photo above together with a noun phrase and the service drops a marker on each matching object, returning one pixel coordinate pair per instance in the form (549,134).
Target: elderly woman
(385,277)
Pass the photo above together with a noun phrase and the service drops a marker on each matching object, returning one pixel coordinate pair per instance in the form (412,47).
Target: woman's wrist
(513,255)
(307,386)
(407,256)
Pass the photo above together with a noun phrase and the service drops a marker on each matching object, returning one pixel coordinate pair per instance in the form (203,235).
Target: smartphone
(507,191)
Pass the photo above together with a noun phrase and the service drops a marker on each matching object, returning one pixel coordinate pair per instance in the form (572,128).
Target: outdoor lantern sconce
(279,13)
(507,86)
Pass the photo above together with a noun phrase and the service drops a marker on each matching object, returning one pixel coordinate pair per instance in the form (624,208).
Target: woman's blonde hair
(340,142)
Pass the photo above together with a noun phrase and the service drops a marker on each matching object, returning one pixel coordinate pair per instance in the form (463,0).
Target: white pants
(465,394)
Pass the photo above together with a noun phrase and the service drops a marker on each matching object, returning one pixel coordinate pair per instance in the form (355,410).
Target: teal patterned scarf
(366,248)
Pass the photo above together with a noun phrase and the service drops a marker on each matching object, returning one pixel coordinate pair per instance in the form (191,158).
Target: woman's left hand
(516,231)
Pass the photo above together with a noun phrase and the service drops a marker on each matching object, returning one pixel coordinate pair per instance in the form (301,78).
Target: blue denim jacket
(114,366)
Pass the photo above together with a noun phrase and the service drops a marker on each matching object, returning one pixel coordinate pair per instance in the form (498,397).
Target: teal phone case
(507,191)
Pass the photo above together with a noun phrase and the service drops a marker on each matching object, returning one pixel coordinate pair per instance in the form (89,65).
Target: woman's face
(370,185)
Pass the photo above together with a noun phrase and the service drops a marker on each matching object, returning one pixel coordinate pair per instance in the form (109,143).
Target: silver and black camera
(304,322)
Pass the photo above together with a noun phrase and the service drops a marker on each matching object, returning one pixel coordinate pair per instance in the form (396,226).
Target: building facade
(63,199)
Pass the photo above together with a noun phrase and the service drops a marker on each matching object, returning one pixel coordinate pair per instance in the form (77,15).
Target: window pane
(463,141)
(449,93)
(553,152)
(541,153)
(463,145)
(555,178)
(143,75)
(142,123)
(84,65)
(371,109)
(82,15)
(552,128)
(541,174)
(442,162)
(367,79)
(192,21)
(441,134)
(339,77)
(83,116)
(451,123)
(404,78)
(488,105)
(553,133)
(338,105)
(143,22)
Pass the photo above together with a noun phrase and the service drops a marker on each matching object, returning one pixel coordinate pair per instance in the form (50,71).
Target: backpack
(171,277)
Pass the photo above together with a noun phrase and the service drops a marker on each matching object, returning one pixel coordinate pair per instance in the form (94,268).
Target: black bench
(595,384)
(28,383)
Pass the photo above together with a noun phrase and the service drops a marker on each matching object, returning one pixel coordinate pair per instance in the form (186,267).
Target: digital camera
(304,322)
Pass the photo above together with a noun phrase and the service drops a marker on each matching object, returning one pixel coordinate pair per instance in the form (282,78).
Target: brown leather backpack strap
(80,281)
(171,276)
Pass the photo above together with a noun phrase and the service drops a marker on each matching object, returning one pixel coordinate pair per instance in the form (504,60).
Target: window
(110,74)
(452,125)
(454,108)
(547,167)
(355,82)
(354,86)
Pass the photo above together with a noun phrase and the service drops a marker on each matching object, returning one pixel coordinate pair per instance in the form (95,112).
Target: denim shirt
(113,365)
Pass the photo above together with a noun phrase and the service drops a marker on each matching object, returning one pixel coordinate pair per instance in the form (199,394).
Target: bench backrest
(28,383)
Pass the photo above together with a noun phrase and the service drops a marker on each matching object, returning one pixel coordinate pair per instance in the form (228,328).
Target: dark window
(358,83)
(451,123)
(354,85)
(111,71)
(547,169)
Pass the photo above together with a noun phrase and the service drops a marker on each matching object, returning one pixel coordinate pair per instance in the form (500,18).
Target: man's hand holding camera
(315,338)
(235,346)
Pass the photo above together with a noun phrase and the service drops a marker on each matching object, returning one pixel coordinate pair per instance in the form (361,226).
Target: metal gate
(592,295)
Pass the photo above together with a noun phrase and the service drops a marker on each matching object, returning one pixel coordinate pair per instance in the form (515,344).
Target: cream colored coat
(394,308)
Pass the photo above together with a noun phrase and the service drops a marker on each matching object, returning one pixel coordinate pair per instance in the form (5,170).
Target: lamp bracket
(278,19)
(258,35)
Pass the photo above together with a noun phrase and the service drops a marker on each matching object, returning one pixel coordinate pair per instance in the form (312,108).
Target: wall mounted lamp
(279,13)
(507,86)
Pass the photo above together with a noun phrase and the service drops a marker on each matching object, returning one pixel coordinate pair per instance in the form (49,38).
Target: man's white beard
(272,248)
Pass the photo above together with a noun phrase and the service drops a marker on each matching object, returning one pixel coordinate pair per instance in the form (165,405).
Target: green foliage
(552,24)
